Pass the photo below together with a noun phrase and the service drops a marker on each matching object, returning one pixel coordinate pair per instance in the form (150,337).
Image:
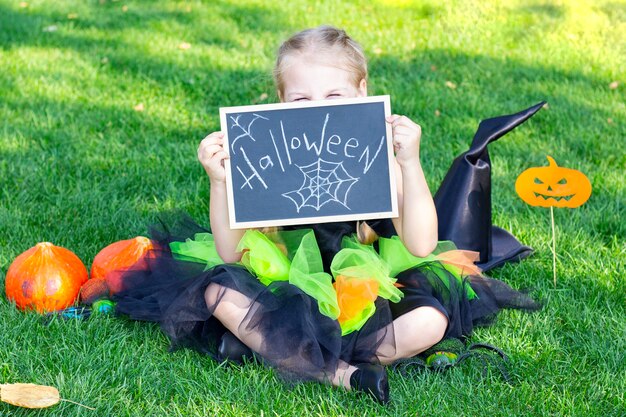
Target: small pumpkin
(112,261)
(93,290)
(553,186)
(45,278)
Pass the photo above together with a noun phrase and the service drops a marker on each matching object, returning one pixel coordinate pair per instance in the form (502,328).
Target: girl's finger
(209,150)
(392,118)
(404,131)
(220,156)
(215,137)
(218,134)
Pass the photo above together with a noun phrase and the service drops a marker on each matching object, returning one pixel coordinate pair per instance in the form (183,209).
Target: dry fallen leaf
(262,97)
(184,46)
(124,8)
(433,67)
(546,106)
(614,85)
(23,5)
(188,9)
(139,107)
(437,113)
(72,16)
(609,121)
(378,51)
(450,85)
(29,395)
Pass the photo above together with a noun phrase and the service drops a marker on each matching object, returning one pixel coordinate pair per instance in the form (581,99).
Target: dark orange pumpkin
(94,290)
(553,186)
(111,262)
(45,278)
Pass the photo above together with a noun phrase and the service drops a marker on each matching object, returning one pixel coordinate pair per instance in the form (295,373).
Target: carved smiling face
(553,186)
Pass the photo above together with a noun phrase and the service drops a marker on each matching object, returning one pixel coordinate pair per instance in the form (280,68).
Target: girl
(227,312)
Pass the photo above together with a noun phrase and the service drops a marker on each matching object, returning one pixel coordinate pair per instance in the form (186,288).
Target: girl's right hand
(211,155)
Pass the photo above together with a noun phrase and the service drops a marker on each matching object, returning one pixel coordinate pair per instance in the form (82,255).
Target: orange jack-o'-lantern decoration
(45,278)
(111,262)
(553,186)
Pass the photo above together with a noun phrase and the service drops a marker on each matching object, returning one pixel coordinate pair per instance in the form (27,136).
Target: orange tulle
(462,259)
(354,295)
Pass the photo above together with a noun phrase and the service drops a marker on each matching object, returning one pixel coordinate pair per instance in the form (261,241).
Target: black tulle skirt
(299,341)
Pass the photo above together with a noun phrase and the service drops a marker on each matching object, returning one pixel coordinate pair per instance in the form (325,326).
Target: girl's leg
(414,332)
(232,310)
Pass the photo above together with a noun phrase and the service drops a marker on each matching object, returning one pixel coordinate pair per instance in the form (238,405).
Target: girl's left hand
(406,139)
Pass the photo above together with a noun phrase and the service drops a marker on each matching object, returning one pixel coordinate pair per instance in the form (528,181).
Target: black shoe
(233,349)
(371,379)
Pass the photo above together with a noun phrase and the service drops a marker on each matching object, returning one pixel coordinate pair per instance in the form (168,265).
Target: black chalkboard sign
(309,162)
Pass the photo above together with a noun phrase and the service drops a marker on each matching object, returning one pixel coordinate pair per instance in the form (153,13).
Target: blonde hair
(323,42)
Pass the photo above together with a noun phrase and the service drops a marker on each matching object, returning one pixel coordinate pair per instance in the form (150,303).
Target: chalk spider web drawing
(324,182)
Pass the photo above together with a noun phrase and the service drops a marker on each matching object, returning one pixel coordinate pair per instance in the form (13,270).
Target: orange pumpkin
(553,186)
(94,290)
(111,262)
(45,278)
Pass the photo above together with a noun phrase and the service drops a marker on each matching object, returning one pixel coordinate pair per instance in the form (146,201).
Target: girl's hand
(211,155)
(406,139)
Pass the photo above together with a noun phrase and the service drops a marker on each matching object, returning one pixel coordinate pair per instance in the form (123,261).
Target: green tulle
(263,258)
(394,252)
(294,256)
(361,261)
(307,273)
(200,249)
(301,265)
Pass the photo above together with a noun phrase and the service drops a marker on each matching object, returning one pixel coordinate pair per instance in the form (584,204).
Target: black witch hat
(463,200)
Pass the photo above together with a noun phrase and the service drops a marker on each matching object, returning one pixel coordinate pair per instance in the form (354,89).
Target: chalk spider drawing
(324,182)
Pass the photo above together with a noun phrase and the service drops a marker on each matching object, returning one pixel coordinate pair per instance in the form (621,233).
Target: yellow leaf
(72,16)
(184,46)
(614,85)
(29,395)
(450,85)
(139,107)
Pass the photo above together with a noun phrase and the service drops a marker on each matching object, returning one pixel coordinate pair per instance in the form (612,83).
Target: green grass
(81,168)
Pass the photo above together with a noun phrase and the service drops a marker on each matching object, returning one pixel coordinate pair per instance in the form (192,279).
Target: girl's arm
(211,155)
(417,221)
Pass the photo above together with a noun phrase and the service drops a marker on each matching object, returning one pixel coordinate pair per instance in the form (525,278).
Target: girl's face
(306,79)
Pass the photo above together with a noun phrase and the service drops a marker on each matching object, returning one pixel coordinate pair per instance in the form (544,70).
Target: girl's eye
(334,95)
(301,99)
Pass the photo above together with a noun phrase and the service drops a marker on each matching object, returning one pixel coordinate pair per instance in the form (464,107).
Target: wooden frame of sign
(309,162)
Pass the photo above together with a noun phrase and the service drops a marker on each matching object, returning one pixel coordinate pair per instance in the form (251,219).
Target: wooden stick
(553,246)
